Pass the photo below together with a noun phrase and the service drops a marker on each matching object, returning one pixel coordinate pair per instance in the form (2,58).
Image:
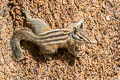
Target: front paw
(47,57)
(23,10)
(77,55)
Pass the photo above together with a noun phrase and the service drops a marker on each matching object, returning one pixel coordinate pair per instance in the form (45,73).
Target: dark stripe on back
(53,31)
(53,36)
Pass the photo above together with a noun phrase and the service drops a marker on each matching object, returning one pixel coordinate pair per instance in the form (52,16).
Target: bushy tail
(22,34)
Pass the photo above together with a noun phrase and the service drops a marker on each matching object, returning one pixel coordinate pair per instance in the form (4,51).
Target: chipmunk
(49,40)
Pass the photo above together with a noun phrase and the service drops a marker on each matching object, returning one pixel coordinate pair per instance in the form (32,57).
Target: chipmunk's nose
(88,40)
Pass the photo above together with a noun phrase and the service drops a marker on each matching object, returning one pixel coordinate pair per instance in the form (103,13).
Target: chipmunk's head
(78,33)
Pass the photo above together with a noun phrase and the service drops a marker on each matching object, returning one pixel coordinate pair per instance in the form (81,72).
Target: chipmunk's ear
(74,30)
(80,24)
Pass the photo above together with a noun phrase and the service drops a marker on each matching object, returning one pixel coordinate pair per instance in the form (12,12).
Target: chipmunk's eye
(80,37)
(80,26)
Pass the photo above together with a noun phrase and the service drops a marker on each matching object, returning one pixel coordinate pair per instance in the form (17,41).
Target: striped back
(61,35)
(53,36)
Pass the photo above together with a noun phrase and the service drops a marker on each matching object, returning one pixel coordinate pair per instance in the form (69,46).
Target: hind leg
(37,25)
(47,51)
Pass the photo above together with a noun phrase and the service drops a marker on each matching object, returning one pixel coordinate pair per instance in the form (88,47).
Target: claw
(77,55)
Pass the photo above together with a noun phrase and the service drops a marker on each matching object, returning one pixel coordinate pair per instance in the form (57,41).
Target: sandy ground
(99,61)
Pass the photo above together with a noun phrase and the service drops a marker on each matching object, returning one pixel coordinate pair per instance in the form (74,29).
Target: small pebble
(1,17)
(108,18)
